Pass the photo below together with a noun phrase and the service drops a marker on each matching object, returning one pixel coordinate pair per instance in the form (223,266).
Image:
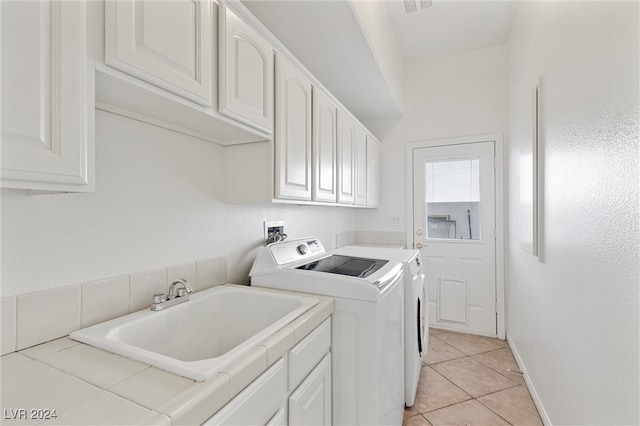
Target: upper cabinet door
(361,167)
(293,133)
(373,172)
(166,43)
(246,73)
(324,147)
(47,96)
(346,158)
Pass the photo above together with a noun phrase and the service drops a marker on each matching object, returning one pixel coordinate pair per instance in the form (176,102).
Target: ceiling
(327,37)
(450,26)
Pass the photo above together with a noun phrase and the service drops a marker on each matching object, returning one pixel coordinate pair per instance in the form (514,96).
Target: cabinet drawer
(258,403)
(308,353)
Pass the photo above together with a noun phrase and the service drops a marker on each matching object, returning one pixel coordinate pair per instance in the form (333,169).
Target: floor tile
(416,420)
(410,411)
(436,392)
(472,376)
(467,343)
(501,361)
(465,413)
(439,351)
(514,405)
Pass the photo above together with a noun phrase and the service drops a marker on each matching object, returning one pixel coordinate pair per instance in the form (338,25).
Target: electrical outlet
(395,221)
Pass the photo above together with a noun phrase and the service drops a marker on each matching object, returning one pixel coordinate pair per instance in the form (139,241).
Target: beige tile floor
(470,380)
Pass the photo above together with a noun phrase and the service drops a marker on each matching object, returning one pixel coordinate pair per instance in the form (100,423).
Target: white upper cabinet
(246,73)
(361,167)
(293,132)
(373,172)
(47,97)
(324,147)
(166,43)
(346,158)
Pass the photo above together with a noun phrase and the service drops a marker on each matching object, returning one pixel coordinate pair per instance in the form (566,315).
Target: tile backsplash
(34,318)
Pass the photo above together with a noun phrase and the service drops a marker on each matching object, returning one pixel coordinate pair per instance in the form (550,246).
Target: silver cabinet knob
(419,232)
(419,245)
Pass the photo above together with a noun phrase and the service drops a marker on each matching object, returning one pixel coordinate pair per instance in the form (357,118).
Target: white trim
(528,382)
(499,211)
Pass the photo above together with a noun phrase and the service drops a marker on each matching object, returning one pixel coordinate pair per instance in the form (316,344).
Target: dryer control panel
(294,250)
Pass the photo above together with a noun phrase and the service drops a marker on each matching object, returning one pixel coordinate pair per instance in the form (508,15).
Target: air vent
(412,5)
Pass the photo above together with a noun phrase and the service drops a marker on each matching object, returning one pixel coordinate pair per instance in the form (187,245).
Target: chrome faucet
(160,301)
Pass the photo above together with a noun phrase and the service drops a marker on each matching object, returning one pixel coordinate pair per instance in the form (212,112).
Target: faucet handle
(159,298)
(182,292)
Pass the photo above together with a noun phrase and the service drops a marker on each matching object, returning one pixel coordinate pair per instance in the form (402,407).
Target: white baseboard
(532,389)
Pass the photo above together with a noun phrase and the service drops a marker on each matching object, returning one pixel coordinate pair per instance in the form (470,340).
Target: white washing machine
(416,309)
(367,343)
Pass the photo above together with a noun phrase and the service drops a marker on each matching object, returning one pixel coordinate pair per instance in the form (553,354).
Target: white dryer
(367,343)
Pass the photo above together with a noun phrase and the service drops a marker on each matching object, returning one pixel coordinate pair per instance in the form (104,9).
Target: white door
(454,226)
(47,105)
(310,404)
(293,132)
(360,164)
(346,154)
(324,147)
(166,43)
(373,172)
(246,73)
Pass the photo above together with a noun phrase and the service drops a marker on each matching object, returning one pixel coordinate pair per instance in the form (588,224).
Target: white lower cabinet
(310,404)
(259,403)
(295,390)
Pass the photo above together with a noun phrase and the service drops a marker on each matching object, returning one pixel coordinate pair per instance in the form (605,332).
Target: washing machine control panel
(295,250)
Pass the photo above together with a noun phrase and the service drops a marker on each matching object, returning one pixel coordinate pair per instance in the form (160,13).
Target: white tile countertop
(68,382)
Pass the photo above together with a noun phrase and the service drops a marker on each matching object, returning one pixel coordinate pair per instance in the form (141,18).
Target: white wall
(458,95)
(378,29)
(157,202)
(573,316)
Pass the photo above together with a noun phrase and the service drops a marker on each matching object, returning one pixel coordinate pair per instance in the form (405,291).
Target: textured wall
(573,314)
(157,202)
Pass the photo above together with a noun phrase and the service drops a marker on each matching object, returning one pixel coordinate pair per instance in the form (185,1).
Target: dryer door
(422,316)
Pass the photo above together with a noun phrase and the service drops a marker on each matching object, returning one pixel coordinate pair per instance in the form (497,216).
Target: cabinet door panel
(246,73)
(346,152)
(166,43)
(293,133)
(373,172)
(324,147)
(259,403)
(310,404)
(47,105)
(361,167)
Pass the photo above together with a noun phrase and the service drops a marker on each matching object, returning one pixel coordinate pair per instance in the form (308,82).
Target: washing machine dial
(303,249)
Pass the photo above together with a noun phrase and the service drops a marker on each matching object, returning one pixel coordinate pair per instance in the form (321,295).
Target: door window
(453,199)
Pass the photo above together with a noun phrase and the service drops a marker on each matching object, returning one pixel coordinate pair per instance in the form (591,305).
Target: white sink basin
(198,337)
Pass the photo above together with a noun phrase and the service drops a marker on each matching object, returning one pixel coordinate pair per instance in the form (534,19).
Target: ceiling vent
(412,5)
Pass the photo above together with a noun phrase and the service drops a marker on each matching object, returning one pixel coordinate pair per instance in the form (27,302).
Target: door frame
(500,191)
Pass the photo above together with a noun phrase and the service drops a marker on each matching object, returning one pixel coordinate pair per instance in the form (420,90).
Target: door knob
(419,245)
